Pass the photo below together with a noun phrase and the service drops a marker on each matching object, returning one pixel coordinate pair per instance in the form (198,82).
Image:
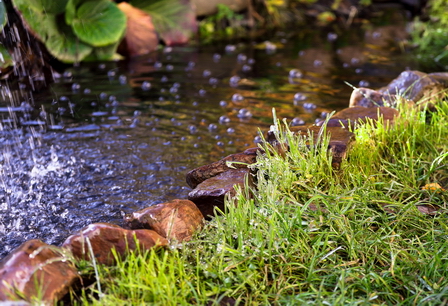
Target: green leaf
(70,10)
(5,58)
(3,15)
(45,6)
(99,23)
(59,38)
(175,20)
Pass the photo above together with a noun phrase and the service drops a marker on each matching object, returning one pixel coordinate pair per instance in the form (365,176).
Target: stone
(177,219)
(36,270)
(198,175)
(367,97)
(104,237)
(340,139)
(416,86)
(211,192)
(210,7)
(354,116)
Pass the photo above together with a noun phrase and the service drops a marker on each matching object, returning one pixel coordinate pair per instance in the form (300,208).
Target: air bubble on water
(63,98)
(241,58)
(67,74)
(212,127)
(224,119)
(213,81)
(158,64)
(111,74)
(297,121)
(309,105)
(234,80)
(173,90)
(332,36)
(122,79)
(364,83)
(192,128)
(244,114)
(295,73)
(223,103)
(176,85)
(317,63)
(164,79)
(206,73)
(103,96)
(269,46)
(299,97)
(87,91)
(202,92)
(358,71)
(246,68)
(75,87)
(354,61)
(237,97)
(258,139)
(191,64)
(230,48)
(146,85)
(169,67)
(230,130)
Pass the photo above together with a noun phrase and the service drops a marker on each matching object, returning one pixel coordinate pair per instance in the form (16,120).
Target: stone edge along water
(165,224)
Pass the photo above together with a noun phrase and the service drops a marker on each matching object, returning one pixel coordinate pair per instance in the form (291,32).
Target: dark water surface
(101,141)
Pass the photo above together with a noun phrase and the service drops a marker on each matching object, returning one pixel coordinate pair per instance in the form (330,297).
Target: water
(105,139)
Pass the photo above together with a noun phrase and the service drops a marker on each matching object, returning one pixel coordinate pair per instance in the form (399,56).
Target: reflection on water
(109,138)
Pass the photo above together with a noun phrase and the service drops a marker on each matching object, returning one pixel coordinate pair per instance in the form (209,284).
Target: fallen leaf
(433,187)
(141,36)
(428,209)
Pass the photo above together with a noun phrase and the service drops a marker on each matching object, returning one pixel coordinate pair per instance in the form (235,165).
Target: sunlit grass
(313,235)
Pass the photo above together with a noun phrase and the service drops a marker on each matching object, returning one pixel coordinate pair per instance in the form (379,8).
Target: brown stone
(104,237)
(211,192)
(198,175)
(367,97)
(353,116)
(36,270)
(340,139)
(416,86)
(177,219)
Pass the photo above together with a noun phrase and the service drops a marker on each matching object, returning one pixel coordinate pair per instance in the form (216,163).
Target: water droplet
(258,139)
(358,70)
(220,143)
(195,103)
(241,58)
(222,103)
(146,85)
(212,127)
(230,48)
(206,73)
(192,128)
(122,79)
(164,79)
(158,65)
(354,61)
(202,92)
(103,96)
(246,68)
(75,87)
(317,63)
(173,90)
(111,73)
(309,105)
(213,81)
(364,83)
(216,57)
(230,130)
(87,91)
(169,67)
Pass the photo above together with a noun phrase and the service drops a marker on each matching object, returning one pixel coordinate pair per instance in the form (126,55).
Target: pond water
(106,139)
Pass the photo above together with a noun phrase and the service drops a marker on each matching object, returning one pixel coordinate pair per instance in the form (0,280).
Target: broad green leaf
(45,6)
(3,15)
(106,53)
(175,20)
(99,23)
(70,10)
(59,38)
(5,58)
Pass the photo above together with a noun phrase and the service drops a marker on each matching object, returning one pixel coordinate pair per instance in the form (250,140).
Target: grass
(312,235)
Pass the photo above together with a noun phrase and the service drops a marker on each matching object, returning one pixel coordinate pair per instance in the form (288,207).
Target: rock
(340,139)
(104,237)
(367,97)
(353,116)
(36,269)
(416,86)
(210,7)
(211,192)
(198,175)
(177,219)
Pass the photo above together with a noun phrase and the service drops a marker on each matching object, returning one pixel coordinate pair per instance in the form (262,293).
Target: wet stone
(353,116)
(340,140)
(415,85)
(198,175)
(177,219)
(104,237)
(36,269)
(367,97)
(211,192)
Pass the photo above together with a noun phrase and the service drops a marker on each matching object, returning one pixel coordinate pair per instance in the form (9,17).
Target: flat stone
(104,237)
(36,269)
(211,192)
(198,175)
(340,139)
(177,219)
(416,86)
(353,116)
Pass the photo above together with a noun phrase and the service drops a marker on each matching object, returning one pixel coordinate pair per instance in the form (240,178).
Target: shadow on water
(106,139)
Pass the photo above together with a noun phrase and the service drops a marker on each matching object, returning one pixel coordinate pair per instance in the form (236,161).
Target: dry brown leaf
(141,36)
